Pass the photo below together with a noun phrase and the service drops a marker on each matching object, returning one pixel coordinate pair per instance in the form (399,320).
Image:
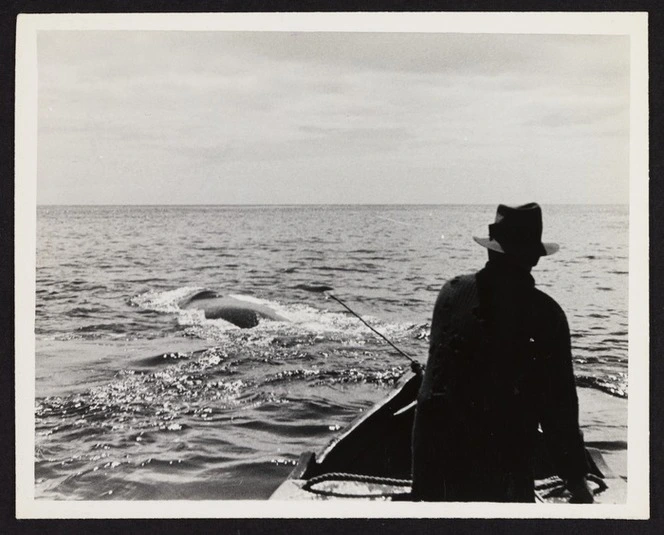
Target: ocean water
(140,399)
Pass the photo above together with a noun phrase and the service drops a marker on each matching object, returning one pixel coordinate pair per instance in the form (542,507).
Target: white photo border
(635,25)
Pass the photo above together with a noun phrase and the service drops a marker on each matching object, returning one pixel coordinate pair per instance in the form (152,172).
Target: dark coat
(499,365)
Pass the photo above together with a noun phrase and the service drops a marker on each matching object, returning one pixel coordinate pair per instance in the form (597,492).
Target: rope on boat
(552,487)
(549,483)
(356,478)
(599,481)
(546,488)
(414,365)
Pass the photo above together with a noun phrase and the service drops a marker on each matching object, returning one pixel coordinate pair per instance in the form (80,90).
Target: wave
(85,311)
(163,301)
(316,288)
(97,328)
(615,387)
(342,269)
(386,377)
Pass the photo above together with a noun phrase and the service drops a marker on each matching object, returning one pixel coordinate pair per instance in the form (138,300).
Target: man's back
(499,364)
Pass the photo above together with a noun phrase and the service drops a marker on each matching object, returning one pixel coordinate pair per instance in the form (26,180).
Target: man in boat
(499,367)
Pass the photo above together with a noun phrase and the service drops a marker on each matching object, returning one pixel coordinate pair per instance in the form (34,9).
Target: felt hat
(517,230)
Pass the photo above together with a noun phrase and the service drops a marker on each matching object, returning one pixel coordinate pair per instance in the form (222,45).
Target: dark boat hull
(372,459)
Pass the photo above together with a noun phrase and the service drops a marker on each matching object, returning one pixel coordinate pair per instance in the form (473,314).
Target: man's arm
(560,413)
(427,439)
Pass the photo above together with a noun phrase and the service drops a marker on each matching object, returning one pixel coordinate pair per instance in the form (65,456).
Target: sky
(190,117)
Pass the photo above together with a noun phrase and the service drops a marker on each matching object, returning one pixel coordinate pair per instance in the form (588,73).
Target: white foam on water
(190,317)
(198,325)
(250,299)
(287,311)
(309,319)
(164,301)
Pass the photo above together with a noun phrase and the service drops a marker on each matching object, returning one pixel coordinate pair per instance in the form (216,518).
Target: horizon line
(326,204)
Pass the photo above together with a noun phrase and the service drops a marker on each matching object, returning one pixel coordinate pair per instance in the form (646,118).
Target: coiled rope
(356,478)
(545,488)
(552,487)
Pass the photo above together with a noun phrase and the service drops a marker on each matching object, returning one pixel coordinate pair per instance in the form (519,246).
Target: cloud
(132,111)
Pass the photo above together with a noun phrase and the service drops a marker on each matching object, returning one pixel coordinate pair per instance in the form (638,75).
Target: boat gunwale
(359,420)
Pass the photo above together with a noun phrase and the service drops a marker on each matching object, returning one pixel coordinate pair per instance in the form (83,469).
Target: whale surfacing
(243,314)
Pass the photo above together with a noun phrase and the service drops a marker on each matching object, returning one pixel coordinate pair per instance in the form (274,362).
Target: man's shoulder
(547,303)
(457,286)
(460,282)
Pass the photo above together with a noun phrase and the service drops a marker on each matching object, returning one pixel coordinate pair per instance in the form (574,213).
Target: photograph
(332,265)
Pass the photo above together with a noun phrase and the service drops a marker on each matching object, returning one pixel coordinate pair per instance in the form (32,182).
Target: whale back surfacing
(198,296)
(241,313)
(242,317)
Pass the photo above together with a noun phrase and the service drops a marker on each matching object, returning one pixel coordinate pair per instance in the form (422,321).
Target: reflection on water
(138,399)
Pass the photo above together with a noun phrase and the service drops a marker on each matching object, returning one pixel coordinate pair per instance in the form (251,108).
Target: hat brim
(549,248)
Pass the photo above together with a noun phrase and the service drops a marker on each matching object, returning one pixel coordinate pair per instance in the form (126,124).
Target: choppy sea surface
(140,399)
